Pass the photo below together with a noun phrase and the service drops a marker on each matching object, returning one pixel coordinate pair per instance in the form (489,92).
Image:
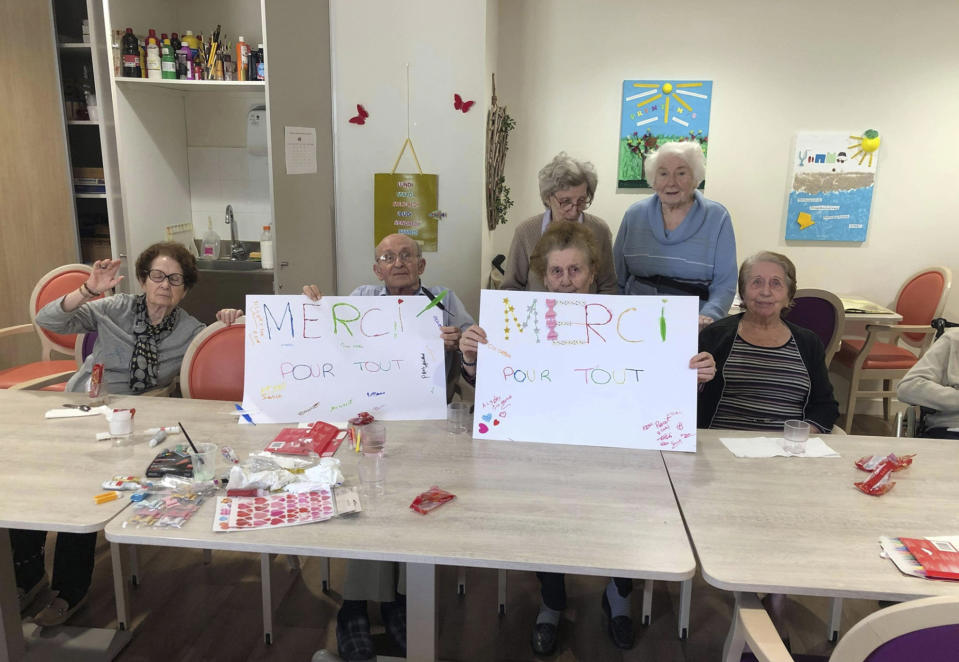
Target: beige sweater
(518,275)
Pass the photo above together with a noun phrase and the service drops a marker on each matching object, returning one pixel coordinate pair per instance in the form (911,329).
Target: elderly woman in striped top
(767,369)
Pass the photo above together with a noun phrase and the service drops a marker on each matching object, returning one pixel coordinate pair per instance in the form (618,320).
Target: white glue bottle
(266,248)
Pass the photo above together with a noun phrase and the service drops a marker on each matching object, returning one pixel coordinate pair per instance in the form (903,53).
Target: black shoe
(353,639)
(620,627)
(394,619)
(544,638)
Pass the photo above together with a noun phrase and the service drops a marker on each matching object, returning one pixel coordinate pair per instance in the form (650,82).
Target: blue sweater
(701,251)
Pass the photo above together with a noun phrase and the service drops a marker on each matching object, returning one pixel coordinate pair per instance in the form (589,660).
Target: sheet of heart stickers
(274,510)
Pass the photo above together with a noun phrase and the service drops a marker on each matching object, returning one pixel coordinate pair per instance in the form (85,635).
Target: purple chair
(925,629)
(822,313)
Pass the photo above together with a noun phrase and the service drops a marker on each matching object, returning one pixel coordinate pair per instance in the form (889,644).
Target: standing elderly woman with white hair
(678,242)
(567,187)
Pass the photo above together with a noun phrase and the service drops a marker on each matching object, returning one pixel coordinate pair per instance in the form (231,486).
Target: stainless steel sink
(228,265)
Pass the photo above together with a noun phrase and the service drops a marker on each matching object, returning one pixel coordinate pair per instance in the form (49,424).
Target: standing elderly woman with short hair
(768,370)
(678,242)
(566,187)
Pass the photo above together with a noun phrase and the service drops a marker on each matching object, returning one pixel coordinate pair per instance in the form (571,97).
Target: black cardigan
(820,408)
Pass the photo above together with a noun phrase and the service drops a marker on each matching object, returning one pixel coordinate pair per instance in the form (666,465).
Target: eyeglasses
(567,203)
(158,276)
(390,258)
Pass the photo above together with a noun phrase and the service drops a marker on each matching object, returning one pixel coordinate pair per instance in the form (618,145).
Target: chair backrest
(921,298)
(926,629)
(821,312)
(54,285)
(84,346)
(212,367)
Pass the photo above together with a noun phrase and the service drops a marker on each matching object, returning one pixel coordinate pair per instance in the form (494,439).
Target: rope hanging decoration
(498,127)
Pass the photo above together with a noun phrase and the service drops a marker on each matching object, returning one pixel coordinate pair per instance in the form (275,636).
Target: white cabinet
(182,145)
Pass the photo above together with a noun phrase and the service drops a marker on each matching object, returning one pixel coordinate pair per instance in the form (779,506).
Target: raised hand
(104,276)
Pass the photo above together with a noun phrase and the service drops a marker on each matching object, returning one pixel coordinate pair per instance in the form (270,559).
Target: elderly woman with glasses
(141,340)
(567,187)
(677,241)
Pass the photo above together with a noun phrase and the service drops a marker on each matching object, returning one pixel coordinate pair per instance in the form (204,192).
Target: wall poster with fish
(833,177)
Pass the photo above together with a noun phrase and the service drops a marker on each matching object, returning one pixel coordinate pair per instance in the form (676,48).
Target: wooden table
(798,526)
(51,470)
(523,506)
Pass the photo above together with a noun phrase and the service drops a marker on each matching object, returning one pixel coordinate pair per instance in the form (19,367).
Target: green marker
(437,300)
(662,323)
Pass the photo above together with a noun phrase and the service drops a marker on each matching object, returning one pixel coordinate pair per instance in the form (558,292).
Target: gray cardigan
(112,319)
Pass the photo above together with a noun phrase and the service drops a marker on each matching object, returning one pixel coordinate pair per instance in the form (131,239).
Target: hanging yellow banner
(406,203)
(402,203)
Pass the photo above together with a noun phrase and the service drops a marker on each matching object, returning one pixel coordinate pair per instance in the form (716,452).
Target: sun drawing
(868,143)
(668,92)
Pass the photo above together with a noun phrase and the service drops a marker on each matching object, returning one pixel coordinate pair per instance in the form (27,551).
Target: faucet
(237,250)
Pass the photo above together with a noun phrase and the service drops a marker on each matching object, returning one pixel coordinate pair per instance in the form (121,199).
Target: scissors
(80,407)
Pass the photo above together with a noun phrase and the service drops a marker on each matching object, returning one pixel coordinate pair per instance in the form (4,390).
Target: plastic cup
(372,469)
(795,435)
(121,422)
(372,438)
(204,462)
(457,417)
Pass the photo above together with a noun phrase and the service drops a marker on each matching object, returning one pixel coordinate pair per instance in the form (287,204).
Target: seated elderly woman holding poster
(566,259)
(770,370)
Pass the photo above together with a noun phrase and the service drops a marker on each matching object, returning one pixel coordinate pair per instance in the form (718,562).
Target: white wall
(444,43)
(777,68)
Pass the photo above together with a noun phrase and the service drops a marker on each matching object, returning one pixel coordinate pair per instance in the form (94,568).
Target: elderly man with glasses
(567,187)
(399,264)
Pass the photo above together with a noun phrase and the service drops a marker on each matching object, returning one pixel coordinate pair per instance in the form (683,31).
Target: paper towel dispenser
(256,130)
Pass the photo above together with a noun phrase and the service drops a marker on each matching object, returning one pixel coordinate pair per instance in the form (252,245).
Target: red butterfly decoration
(361,117)
(459,104)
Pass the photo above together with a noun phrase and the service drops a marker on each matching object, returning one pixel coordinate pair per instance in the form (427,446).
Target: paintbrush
(190,441)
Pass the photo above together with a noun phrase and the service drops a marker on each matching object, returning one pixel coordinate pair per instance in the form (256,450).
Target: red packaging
(96,378)
(870,462)
(879,481)
(430,499)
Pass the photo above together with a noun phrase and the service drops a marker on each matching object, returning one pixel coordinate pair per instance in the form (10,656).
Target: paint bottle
(175,42)
(266,248)
(260,64)
(154,70)
(192,42)
(184,63)
(167,61)
(130,48)
(242,59)
(143,59)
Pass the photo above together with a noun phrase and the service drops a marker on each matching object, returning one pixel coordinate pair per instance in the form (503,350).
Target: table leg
(647,601)
(120,586)
(501,591)
(267,596)
(736,638)
(421,627)
(12,646)
(835,618)
(685,603)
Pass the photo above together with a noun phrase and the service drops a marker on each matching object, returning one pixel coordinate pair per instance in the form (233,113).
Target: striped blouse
(765,386)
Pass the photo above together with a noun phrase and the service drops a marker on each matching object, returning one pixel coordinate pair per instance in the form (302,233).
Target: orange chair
(212,367)
(921,298)
(47,373)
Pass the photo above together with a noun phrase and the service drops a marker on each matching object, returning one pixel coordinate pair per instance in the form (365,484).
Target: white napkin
(66,412)
(773,447)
